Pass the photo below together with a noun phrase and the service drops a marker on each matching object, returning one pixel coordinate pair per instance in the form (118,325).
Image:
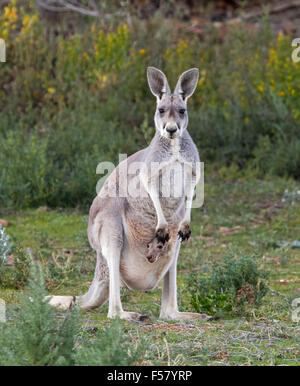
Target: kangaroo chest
(173,172)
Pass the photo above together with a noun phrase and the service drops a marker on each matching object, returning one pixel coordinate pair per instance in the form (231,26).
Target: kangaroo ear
(187,83)
(158,82)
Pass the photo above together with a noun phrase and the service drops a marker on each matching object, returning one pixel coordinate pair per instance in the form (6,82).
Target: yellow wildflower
(261,88)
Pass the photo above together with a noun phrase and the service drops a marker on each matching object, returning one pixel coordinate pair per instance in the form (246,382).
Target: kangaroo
(156,248)
(137,239)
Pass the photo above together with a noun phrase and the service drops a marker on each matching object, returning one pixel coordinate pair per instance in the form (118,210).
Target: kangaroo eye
(161,110)
(181,111)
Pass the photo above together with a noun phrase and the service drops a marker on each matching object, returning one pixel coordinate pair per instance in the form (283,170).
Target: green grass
(248,215)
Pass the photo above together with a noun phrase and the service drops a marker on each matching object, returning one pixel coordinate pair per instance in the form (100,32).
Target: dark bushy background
(73,97)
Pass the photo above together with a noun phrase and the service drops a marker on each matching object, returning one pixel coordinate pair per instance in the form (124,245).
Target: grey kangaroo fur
(124,229)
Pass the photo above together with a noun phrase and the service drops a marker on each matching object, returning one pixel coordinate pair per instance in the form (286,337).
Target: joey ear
(187,83)
(158,82)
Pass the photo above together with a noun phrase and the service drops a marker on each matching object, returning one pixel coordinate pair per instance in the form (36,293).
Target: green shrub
(110,347)
(280,158)
(230,286)
(19,273)
(212,303)
(27,168)
(35,335)
(14,276)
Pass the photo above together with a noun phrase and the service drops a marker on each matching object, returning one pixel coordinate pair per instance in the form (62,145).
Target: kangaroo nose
(171,129)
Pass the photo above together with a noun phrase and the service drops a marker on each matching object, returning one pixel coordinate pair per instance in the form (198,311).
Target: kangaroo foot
(61,302)
(127,315)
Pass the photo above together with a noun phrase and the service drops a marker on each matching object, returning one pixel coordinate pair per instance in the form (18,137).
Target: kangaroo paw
(184,232)
(162,235)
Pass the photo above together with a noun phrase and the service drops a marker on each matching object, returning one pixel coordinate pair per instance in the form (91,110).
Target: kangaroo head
(171,118)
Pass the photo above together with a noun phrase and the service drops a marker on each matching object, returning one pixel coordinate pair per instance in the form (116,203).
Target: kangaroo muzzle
(172,129)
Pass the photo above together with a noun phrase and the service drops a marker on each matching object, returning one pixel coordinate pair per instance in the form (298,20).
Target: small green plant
(16,275)
(284,258)
(21,268)
(229,286)
(110,347)
(212,303)
(36,336)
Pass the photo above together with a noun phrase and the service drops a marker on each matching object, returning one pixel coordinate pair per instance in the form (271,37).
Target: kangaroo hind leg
(98,292)
(111,240)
